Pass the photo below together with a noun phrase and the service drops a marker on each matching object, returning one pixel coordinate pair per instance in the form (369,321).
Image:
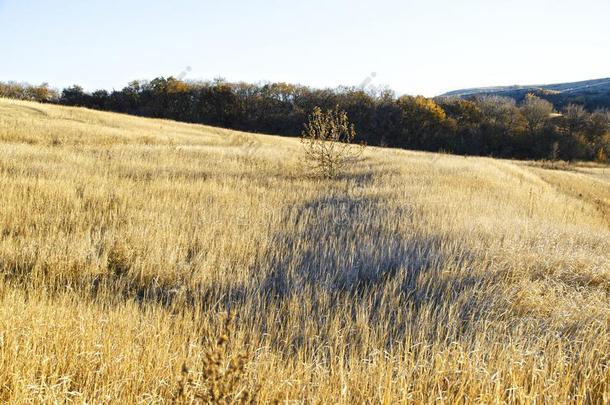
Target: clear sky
(414,47)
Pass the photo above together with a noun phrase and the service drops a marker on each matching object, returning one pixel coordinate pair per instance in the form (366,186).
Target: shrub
(328,139)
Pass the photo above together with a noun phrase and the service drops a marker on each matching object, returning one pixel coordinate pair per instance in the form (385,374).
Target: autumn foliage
(532,128)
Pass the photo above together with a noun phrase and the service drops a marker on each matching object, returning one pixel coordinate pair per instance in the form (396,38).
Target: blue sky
(414,47)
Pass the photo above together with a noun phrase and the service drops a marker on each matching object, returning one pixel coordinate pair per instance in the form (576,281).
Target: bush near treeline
(484,125)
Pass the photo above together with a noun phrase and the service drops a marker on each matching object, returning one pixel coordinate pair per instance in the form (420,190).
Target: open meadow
(150,261)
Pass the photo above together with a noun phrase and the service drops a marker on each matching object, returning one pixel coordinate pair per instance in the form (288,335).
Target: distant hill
(592,94)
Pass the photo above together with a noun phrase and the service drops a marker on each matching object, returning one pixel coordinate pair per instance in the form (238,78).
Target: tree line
(480,125)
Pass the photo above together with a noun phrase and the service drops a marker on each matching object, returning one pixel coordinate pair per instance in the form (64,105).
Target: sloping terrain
(592,93)
(416,277)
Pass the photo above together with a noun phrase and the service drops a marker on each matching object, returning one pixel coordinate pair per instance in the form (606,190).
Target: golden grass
(124,243)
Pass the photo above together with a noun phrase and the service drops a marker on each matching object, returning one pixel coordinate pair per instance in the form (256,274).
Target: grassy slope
(418,277)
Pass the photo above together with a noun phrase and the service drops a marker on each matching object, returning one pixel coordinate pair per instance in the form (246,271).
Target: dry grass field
(147,261)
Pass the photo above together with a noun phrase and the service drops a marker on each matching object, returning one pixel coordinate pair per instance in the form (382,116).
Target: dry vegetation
(125,243)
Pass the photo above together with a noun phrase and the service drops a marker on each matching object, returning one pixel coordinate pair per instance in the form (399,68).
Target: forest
(483,125)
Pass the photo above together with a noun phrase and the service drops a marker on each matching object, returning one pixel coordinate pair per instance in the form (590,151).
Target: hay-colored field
(415,278)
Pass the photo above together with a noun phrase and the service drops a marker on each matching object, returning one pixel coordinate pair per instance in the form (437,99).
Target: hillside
(416,278)
(591,93)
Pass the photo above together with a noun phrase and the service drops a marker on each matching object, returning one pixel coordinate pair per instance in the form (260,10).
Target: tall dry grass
(125,244)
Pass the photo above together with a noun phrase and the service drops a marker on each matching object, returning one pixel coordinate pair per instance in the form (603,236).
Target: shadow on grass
(345,256)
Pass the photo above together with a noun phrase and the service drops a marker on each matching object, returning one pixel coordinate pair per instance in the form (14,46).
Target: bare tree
(575,117)
(328,139)
(537,112)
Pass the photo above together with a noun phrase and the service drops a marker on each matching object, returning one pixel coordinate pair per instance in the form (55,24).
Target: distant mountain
(592,94)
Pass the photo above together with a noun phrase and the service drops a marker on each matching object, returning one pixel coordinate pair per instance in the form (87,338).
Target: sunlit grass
(416,277)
